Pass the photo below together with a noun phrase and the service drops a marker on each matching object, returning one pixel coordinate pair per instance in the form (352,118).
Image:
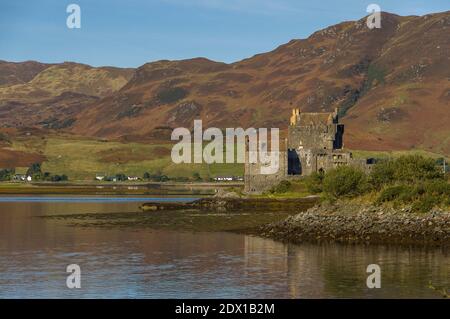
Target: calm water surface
(123,263)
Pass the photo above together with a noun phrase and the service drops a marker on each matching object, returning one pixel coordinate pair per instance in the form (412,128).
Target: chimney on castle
(295,116)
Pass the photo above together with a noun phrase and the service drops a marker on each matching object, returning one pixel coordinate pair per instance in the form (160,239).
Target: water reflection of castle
(294,270)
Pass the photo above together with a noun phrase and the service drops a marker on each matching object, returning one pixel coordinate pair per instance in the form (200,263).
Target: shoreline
(127,188)
(300,220)
(352,223)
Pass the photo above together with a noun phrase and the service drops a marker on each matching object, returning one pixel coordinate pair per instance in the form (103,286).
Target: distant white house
(133,178)
(223,178)
(99,177)
(22,178)
(228,178)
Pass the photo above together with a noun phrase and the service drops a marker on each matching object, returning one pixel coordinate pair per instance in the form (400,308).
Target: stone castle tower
(314,144)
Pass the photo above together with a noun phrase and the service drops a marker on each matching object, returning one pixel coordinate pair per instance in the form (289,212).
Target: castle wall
(257,183)
(311,137)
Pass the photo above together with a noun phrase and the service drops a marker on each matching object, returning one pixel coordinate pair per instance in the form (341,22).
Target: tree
(121,177)
(35,170)
(6,174)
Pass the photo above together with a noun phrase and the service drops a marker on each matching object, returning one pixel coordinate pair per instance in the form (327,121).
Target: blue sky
(131,33)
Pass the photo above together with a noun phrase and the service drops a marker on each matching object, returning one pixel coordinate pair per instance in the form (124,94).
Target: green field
(82,159)
(394,154)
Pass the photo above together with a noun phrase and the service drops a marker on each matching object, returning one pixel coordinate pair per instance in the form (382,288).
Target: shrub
(345,181)
(423,197)
(426,203)
(314,182)
(282,187)
(392,193)
(383,173)
(411,194)
(447,202)
(121,177)
(408,168)
(59,178)
(6,174)
(412,168)
(196,176)
(438,188)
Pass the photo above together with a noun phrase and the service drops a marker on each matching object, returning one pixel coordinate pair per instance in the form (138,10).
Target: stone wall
(257,183)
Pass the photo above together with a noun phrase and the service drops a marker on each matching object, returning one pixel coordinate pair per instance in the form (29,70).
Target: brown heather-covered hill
(392,86)
(51,95)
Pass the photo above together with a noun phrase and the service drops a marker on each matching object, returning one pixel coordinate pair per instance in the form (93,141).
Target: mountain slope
(49,95)
(17,73)
(392,86)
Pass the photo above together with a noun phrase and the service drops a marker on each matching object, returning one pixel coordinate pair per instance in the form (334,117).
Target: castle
(314,144)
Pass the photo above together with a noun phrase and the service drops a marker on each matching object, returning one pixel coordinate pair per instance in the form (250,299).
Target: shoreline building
(314,144)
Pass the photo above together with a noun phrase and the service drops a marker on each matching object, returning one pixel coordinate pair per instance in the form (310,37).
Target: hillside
(392,86)
(49,95)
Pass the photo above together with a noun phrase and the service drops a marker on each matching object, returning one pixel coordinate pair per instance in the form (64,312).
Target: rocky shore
(357,223)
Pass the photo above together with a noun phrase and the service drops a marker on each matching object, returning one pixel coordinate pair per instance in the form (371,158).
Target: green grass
(82,159)
(394,154)
(297,189)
